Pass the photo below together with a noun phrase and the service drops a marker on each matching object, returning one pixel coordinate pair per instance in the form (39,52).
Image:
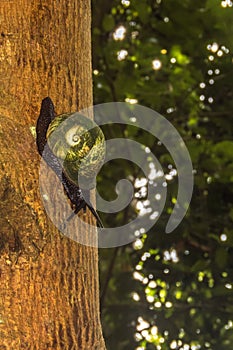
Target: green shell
(79,144)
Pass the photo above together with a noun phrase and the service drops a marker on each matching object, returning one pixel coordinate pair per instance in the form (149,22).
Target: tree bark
(49,291)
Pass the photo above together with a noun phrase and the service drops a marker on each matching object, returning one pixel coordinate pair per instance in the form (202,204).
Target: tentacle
(79,201)
(96,215)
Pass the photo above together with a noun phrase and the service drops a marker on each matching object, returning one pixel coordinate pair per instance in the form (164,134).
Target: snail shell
(79,144)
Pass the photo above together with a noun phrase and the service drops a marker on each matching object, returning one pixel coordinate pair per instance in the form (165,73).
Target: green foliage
(170,291)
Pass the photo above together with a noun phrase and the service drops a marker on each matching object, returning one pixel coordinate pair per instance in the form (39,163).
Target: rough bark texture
(49,284)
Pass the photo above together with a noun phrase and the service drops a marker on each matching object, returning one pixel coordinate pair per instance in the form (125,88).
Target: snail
(74,148)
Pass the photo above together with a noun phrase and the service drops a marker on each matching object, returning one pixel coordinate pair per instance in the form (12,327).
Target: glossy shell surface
(79,144)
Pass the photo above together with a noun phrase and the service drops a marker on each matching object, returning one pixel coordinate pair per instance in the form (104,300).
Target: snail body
(74,147)
(79,145)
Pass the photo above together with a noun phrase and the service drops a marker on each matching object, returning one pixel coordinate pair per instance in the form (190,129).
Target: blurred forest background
(170,291)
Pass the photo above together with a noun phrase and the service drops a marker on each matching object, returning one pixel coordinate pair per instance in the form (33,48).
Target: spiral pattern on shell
(79,144)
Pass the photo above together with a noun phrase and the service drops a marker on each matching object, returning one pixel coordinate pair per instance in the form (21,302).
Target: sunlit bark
(49,284)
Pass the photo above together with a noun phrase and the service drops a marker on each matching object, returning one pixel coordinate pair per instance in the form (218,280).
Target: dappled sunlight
(119,33)
(180,66)
(122,54)
(156,64)
(132,101)
(226,3)
(125,2)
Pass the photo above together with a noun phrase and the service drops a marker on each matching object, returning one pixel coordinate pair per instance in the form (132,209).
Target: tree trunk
(49,291)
